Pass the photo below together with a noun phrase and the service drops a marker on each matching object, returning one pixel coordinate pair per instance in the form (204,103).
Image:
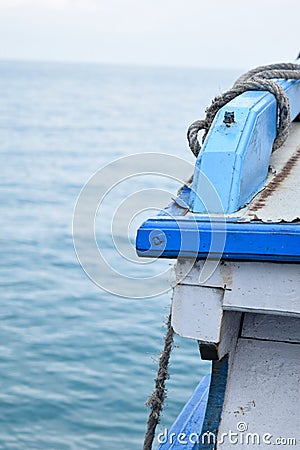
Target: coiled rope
(259,79)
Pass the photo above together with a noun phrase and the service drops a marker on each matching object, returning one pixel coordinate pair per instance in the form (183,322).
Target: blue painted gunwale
(189,423)
(191,238)
(200,418)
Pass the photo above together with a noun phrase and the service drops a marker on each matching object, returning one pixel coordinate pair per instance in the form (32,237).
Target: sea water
(77,362)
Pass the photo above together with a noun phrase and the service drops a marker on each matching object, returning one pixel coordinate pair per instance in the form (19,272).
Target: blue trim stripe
(190,238)
(214,406)
(196,427)
(186,430)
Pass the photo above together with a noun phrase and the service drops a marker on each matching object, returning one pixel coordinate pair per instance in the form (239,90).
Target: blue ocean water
(77,363)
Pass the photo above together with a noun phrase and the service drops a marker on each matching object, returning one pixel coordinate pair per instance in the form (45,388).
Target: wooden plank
(214,403)
(197,312)
(263,288)
(185,430)
(262,394)
(194,237)
(269,327)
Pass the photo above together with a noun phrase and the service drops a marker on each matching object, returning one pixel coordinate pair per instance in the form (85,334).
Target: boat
(234,231)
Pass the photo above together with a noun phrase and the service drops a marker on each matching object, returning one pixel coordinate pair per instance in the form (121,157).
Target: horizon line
(111,63)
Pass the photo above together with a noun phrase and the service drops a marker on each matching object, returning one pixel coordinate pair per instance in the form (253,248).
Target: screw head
(228,118)
(158,238)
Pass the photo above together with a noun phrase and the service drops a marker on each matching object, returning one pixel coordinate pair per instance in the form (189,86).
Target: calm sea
(77,363)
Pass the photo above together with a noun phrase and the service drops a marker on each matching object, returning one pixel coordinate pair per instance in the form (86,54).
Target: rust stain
(244,409)
(226,274)
(278,178)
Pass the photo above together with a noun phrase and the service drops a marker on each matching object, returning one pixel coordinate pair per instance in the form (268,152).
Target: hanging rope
(259,79)
(159,394)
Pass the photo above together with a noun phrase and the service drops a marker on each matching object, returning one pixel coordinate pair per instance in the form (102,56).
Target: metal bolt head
(228,118)
(158,238)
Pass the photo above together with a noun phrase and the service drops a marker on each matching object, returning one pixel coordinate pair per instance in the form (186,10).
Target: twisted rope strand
(159,394)
(259,79)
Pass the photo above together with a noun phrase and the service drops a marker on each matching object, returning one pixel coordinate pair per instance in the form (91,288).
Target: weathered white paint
(197,312)
(252,286)
(263,288)
(269,327)
(262,393)
(192,275)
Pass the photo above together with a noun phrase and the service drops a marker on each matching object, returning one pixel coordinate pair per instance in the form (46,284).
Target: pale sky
(210,33)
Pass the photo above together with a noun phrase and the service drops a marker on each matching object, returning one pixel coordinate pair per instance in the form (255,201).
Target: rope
(259,79)
(159,394)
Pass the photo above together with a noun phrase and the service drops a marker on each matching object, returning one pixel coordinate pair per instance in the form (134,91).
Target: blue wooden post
(235,156)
